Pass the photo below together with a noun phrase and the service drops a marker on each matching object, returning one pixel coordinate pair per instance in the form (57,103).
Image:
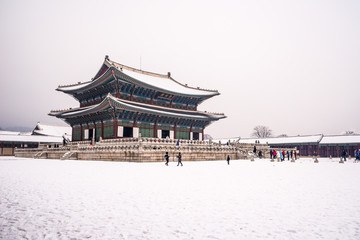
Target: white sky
(291,65)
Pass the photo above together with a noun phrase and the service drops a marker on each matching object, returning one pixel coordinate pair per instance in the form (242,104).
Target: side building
(321,145)
(123,102)
(42,134)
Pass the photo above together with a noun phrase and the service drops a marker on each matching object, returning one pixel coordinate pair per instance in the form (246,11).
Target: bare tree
(261,132)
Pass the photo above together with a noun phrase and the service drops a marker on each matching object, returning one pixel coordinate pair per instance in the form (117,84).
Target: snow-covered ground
(53,199)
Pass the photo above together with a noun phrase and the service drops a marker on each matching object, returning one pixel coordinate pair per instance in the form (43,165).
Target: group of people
(282,154)
(356,153)
(166,157)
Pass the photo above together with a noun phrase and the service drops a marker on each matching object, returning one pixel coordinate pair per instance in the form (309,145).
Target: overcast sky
(291,65)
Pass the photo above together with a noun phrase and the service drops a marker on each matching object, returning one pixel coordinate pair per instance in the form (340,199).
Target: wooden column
(102,129)
(81,132)
(155,127)
(115,126)
(175,131)
(72,133)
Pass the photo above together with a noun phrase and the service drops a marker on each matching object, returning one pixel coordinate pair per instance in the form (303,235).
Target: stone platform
(143,150)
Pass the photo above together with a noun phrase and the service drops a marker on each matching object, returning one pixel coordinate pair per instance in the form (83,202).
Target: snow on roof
(51,130)
(9,133)
(340,139)
(284,140)
(154,80)
(30,138)
(165,83)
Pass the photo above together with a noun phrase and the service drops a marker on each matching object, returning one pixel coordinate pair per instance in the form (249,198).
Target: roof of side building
(311,139)
(340,139)
(51,130)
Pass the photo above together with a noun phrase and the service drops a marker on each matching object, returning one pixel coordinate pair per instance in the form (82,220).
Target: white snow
(166,84)
(52,130)
(9,133)
(54,199)
(30,138)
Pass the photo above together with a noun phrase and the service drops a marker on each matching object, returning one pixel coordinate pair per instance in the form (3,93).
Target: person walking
(283,155)
(288,155)
(344,155)
(166,157)
(228,159)
(179,159)
(271,153)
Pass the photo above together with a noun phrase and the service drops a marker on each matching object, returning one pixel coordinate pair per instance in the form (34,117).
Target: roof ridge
(53,125)
(309,135)
(342,135)
(118,65)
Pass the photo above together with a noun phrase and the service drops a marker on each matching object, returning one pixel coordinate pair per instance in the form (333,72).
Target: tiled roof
(128,105)
(152,80)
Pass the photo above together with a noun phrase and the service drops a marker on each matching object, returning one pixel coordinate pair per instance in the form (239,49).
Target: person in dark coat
(344,154)
(166,158)
(179,159)
(228,159)
(288,155)
(271,154)
(254,150)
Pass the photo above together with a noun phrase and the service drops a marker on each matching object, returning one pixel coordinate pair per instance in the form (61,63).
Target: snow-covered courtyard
(54,199)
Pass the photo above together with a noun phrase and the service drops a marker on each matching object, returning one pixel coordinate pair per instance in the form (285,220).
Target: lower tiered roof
(112,105)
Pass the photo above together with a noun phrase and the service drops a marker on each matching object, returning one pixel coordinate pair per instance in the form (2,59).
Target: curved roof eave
(126,106)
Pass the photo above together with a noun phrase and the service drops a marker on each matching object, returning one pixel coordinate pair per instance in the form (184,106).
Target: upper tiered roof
(155,81)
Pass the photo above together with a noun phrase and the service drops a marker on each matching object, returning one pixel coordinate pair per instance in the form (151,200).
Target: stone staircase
(40,155)
(69,155)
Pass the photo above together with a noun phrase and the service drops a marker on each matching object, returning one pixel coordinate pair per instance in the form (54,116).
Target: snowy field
(53,199)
